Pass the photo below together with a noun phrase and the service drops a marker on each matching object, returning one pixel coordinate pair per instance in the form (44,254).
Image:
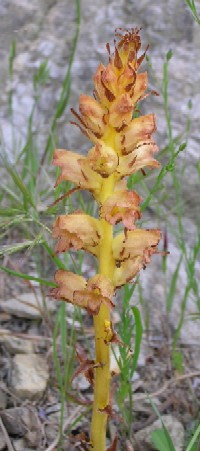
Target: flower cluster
(121,146)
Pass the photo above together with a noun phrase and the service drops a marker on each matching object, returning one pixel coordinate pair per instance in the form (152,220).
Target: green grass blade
(54,257)
(12,54)
(172,289)
(19,183)
(168,439)
(193,440)
(138,337)
(55,353)
(42,74)
(154,189)
(7,212)
(8,249)
(63,100)
(12,196)
(21,275)
(192,6)
(63,329)
(160,440)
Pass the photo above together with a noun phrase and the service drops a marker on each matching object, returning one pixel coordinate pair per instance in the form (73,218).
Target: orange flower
(134,243)
(103,159)
(93,116)
(132,251)
(140,87)
(67,283)
(127,270)
(121,111)
(122,206)
(75,168)
(77,231)
(99,291)
(139,130)
(139,158)
(105,82)
(86,294)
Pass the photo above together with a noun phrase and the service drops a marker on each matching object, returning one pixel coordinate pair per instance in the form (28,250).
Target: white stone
(29,376)
(46,47)
(80,382)
(15,345)
(20,445)
(26,306)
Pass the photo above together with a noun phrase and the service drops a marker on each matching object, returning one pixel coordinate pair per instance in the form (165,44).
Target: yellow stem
(102,373)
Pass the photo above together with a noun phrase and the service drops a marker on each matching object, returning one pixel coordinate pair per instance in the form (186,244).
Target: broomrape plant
(121,146)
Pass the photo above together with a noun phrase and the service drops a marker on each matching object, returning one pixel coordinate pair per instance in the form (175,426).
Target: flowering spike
(121,145)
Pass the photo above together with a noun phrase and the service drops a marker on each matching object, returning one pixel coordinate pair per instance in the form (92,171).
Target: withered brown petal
(83,368)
